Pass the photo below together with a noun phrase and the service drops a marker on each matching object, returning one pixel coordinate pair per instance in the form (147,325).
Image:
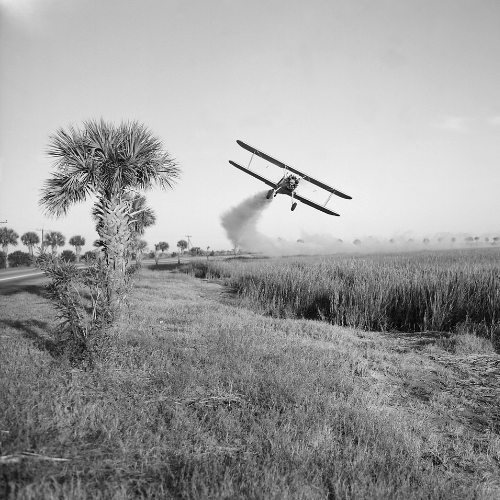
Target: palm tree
(142,215)
(163,246)
(108,162)
(181,246)
(7,237)
(30,239)
(160,247)
(54,239)
(139,246)
(77,242)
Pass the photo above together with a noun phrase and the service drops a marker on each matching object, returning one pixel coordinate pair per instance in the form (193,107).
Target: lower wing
(307,201)
(252,173)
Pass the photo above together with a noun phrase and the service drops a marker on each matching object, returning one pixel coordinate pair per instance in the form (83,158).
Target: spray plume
(240,223)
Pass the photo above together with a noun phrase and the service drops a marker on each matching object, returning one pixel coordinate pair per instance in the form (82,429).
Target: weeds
(80,296)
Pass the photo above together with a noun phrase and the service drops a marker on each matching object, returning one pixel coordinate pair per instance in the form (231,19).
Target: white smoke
(240,223)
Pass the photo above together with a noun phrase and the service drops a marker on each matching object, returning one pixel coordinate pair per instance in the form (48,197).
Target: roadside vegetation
(113,163)
(447,291)
(199,398)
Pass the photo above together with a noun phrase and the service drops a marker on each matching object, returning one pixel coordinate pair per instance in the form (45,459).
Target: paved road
(33,280)
(19,280)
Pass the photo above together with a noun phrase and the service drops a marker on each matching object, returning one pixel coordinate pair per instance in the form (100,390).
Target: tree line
(53,240)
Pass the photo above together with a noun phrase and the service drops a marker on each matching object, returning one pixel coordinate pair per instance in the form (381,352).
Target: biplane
(289,182)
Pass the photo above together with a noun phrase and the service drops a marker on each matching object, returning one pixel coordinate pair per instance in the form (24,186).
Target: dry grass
(200,399)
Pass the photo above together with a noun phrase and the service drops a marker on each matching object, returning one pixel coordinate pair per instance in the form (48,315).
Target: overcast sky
(396,103)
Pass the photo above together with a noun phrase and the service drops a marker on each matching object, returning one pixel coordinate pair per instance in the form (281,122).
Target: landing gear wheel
(294,206)
(270,194)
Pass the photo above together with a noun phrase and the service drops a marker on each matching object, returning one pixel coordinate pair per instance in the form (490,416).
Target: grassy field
(441,291)
(200,398)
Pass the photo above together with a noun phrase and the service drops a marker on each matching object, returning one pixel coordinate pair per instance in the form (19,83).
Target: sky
(394,102)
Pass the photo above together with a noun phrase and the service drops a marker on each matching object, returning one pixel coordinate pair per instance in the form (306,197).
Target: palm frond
(105,160)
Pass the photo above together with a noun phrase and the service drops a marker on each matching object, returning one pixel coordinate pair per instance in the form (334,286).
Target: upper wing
(279,163)
(307,201)
(257,176)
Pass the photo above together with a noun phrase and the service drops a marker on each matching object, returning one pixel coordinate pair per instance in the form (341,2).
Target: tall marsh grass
(444,291)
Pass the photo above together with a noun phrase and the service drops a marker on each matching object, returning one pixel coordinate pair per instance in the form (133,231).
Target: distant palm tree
(182,244)
(109,162)
(30,239)
(77,242)
(160,247)
(163,246)
(139,246)
(54,239)
(142,215)
(7,237)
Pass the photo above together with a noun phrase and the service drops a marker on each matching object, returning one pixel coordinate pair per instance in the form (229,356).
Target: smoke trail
(240,223)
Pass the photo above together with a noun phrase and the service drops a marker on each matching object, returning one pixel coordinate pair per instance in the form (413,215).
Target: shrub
(81,298)
(89,255)
(2,260)
(68,255)
(19,258)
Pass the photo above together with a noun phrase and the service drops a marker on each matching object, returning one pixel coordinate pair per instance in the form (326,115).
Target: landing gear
(270,194)
(294,206)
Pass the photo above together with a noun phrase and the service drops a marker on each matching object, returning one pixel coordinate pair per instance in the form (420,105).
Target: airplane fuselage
(287,185)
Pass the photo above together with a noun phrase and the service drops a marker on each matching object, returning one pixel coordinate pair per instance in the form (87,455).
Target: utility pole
(188,236)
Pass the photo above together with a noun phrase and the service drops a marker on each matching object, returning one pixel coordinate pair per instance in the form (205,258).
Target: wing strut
(250,162)
(326,202)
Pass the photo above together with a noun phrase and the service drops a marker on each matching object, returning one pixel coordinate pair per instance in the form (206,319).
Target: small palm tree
(30,239)
(182,244)
(77,242)
(7,237)
(142,215)
(163,246)
(54,239)
(139,246)
(109,162)
(160,247)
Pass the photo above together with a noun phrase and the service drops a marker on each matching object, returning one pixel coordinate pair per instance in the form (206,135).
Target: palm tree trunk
(113,229)
(5,250)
